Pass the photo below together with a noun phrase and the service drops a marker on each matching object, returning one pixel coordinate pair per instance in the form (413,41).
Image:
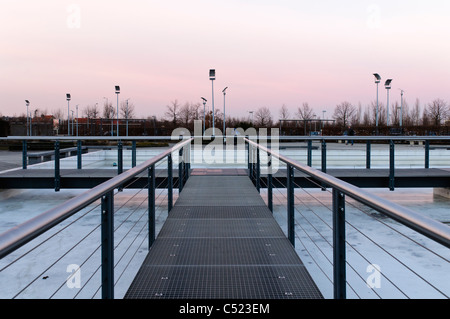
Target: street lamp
(387,85)
(377,81)
(223,91)
(68,113)
(212,77)
(28,130)
(127,115)
(117,92)
(204,114)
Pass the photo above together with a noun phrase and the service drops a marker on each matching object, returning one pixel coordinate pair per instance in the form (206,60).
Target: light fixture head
(28,102)
(387,84)
(212,74)
(377,78)
(204,99)
(223,91)
(68,97)
(117,89)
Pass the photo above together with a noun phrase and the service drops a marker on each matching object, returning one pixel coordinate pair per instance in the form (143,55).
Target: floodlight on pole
(212,77)
(224,118)
(117,92)
(387,85)
(377,81)
(68,113)
(204,114)
(28,130)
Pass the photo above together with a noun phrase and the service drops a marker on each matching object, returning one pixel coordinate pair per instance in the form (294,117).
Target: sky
(268,53)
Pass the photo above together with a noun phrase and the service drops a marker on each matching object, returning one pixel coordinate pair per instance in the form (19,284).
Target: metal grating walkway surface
(221,241)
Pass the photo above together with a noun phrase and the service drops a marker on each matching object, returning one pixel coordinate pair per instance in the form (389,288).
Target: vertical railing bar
(119,157)
(368,155)
(258,171)
(24,154)
(339,254)
(133,154)
(290,204)
(151,206)
(79,154)
(57,168)
(270,183)
(169,183)
(180,170)
(107,243)
(427,154)
(391,165)
(309,153)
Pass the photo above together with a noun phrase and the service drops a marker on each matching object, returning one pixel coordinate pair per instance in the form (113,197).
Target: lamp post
(72,121)
(117,92)
(377,81)
(77,119)
(28,125)
(387,85)
(204,114)
(68,113)
(323,118)
(224,118)
(212,77)
(127,115)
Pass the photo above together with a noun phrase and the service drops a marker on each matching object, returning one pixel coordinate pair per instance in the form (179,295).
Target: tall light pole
(117,92)
(28,125)
(224,118)
(72,121)
(323,118)
(387,85)
(204,114)
(127,115)
(68,113)
(212,77)
(377,81)
(77,118)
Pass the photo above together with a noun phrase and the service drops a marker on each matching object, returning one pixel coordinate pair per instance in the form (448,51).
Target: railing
(24,233)
(431,228)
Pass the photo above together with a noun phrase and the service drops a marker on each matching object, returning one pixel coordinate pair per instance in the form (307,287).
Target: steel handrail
(429,227)
(18,236)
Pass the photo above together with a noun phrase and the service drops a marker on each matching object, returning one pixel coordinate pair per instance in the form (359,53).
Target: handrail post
(391,165)
(290,204)
(119,158)
(258,171)
(151,206)
(24,154)
(180,170)
(427,154)
(133,154)
(107,243)
(270,184)
(324,156)
(339,269)
(57,168)
(309,154)
(169,183)
(368,146)
(79,154)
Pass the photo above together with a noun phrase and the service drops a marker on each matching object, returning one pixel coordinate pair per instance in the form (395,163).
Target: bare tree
(127,110)
(263,117)
(91,111)
(305,112)
(415,113)
(284,112)
(437,111)
(108,110)
(173,110)
(343,113)
(185,114)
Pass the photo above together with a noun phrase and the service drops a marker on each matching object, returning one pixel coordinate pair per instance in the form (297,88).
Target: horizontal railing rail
(426,226)
(23,233)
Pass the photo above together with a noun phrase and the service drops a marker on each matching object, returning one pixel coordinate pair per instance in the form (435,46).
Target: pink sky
(268,53)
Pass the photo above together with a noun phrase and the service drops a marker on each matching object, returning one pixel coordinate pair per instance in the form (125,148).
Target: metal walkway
(221,241)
